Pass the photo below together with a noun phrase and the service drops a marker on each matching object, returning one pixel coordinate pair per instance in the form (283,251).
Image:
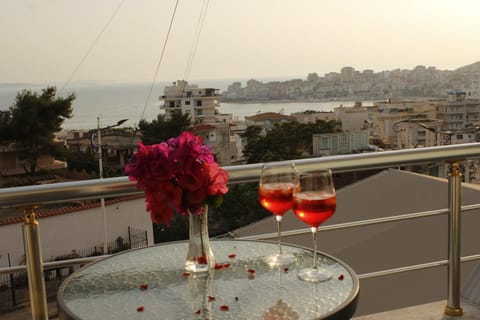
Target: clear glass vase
(200,256)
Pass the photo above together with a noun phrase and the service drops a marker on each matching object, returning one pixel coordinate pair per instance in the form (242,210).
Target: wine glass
(275,194)
(313,203)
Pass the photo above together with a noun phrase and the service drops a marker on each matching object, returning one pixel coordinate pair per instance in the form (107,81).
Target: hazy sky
(45,40)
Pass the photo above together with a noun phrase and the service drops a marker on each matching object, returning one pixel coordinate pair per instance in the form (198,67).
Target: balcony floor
(429,311)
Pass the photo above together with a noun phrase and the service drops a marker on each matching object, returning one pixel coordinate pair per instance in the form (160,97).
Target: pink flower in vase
(177,176)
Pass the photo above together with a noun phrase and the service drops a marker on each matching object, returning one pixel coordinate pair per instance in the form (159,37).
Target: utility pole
(99,154)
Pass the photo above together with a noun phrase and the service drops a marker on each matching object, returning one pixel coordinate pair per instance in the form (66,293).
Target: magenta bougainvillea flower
(177,176)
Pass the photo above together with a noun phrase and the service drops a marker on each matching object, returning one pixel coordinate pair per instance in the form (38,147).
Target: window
(325,143)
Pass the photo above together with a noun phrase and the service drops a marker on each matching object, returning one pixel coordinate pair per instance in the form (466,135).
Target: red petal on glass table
(224,308)
(143,287)
(341,277)
(198,311)
(251,270)
(140,309)
(231,256)
(221,265)
(285,269)
(186,274)
(210,298)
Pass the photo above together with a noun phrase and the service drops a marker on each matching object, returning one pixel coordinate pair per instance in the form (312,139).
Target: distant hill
(473,68)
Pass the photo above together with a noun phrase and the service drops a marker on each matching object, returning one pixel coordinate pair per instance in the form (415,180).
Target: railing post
(454,202)
(34,263)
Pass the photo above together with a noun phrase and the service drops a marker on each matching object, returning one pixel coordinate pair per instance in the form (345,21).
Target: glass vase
(200,256)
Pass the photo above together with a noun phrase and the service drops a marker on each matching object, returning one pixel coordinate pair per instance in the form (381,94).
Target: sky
(48,41)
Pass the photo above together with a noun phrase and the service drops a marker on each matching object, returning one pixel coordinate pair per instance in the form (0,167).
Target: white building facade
(199,103)
(62,232)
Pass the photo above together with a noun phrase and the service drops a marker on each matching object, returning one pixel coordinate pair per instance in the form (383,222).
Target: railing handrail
(121,186)
(55,264)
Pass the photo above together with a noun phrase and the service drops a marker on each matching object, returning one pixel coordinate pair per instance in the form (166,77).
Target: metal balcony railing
(31,196)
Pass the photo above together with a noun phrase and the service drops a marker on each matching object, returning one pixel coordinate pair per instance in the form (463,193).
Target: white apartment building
(339,143)
(217,137)
(311,116)
(418,132)
(199,103)
(460,116)
(353,118)
(386,115)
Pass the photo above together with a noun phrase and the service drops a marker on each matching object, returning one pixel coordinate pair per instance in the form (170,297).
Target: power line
(160,60)
(92,46)
(198,31)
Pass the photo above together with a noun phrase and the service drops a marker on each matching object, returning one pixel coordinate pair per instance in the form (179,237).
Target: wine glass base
(314,275)
(280,260)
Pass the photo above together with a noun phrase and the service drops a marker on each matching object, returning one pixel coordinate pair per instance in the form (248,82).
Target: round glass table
(150,283)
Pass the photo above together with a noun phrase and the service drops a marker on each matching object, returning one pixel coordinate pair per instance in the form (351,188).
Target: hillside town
(351,84)
(438,114)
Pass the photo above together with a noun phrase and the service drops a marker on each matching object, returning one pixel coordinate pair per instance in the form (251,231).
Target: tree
(285,141)
(5,130)
(34,121)
(162,129)
(254,148)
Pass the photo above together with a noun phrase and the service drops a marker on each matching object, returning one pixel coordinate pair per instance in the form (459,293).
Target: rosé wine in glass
(314,208)
(275,193)
(314,201)
(276,197)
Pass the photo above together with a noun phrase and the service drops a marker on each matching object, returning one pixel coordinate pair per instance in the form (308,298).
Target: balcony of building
(409,258)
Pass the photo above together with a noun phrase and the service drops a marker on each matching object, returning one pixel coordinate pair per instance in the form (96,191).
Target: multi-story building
(217,137)
(267,120)
(353,118)
(199,103)
(386,115)
(117,145)
(459,114)
(418,131)
(311,116)
(339,143)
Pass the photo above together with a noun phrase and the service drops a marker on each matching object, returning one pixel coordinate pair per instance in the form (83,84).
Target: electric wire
(159,60)
(94,43)
(201,20)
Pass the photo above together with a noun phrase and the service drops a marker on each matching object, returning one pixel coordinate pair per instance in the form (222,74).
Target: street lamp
(98,146)
(421,122)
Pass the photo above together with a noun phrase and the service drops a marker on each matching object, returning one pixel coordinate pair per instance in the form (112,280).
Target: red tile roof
(67,209)
(268,116)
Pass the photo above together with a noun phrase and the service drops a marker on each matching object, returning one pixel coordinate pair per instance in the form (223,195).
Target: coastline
(272,101)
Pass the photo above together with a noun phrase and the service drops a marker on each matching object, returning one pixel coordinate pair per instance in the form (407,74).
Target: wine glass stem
(279,236)
(314,236)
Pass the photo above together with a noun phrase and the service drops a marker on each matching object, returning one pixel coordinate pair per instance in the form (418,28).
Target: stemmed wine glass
(275,193)
(313,203)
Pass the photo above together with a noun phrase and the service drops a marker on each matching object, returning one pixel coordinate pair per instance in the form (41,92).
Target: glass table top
(150,283)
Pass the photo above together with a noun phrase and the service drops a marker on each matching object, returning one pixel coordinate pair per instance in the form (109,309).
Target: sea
(114,101)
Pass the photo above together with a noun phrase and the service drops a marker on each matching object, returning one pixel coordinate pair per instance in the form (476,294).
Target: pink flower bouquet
(177,176)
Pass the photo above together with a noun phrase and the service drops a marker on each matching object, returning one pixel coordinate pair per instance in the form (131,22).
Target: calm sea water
(115,101)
